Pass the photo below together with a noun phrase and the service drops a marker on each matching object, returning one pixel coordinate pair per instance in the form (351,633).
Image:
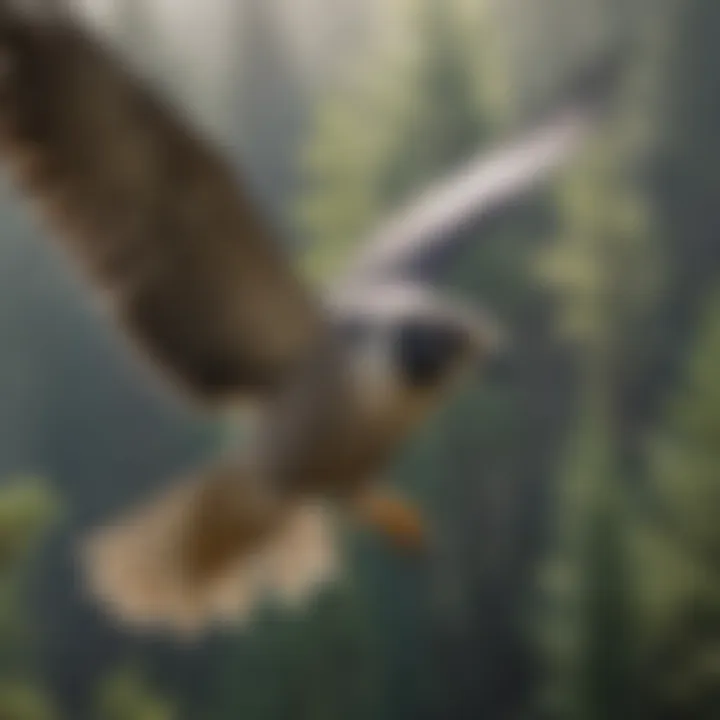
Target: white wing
(430,225)
(418,240)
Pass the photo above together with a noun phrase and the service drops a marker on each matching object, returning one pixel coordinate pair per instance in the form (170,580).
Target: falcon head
(419,337)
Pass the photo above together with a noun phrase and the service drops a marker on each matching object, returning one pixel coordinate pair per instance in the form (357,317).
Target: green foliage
(19,701)
(618,261)
(314,665)
(679,555)
(588,612)
(27,507)
(630,620)
(604,271)
(125,695)
(407,116)
(686,456)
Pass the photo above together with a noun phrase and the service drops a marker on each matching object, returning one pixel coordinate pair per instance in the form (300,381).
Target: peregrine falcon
(184,262)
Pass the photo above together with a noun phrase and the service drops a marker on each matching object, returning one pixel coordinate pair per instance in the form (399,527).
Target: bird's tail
(208,552)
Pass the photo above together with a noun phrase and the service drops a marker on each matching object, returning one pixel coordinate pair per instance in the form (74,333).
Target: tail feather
(209,552)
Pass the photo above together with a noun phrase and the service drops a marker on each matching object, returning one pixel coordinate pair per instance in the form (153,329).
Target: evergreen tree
(632,339)
(679,558)
(436,97)
(603,270)
(26,509)
(314,665)
(125,695)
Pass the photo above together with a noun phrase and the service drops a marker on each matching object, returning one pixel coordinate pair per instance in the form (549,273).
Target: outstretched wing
(419,240)
(159,222)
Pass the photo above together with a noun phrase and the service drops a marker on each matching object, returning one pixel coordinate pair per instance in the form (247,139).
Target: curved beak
(491,345)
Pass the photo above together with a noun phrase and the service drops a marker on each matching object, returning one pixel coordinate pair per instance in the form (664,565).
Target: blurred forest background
(577,569)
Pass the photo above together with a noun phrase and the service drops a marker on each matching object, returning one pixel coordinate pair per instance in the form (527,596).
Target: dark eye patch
(425,349)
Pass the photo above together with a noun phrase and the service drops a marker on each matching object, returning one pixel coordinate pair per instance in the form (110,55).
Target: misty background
(574,501)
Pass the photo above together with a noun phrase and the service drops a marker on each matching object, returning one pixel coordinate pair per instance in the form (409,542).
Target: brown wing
(158,221)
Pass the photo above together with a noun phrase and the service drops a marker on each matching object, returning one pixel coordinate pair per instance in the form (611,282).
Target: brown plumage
(157,219)
(177,250)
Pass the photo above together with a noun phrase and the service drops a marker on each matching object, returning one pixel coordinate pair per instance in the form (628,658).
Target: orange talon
(394,517)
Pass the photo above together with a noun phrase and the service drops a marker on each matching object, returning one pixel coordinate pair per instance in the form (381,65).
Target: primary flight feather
(157,219)
(177,249)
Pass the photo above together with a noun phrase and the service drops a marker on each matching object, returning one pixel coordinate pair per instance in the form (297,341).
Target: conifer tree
(26,509)
(679,551)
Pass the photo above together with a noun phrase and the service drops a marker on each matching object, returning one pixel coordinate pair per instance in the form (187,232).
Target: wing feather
(158,220)
(418,241)
(422,234)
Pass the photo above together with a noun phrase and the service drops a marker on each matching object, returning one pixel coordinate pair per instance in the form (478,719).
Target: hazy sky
(194,44)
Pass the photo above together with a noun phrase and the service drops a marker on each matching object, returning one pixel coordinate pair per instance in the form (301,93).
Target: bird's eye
(426,349)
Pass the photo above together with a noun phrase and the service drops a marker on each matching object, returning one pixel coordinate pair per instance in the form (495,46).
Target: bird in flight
(184,262)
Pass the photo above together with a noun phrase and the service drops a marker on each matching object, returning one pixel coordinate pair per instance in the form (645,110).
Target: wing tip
(595,86)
